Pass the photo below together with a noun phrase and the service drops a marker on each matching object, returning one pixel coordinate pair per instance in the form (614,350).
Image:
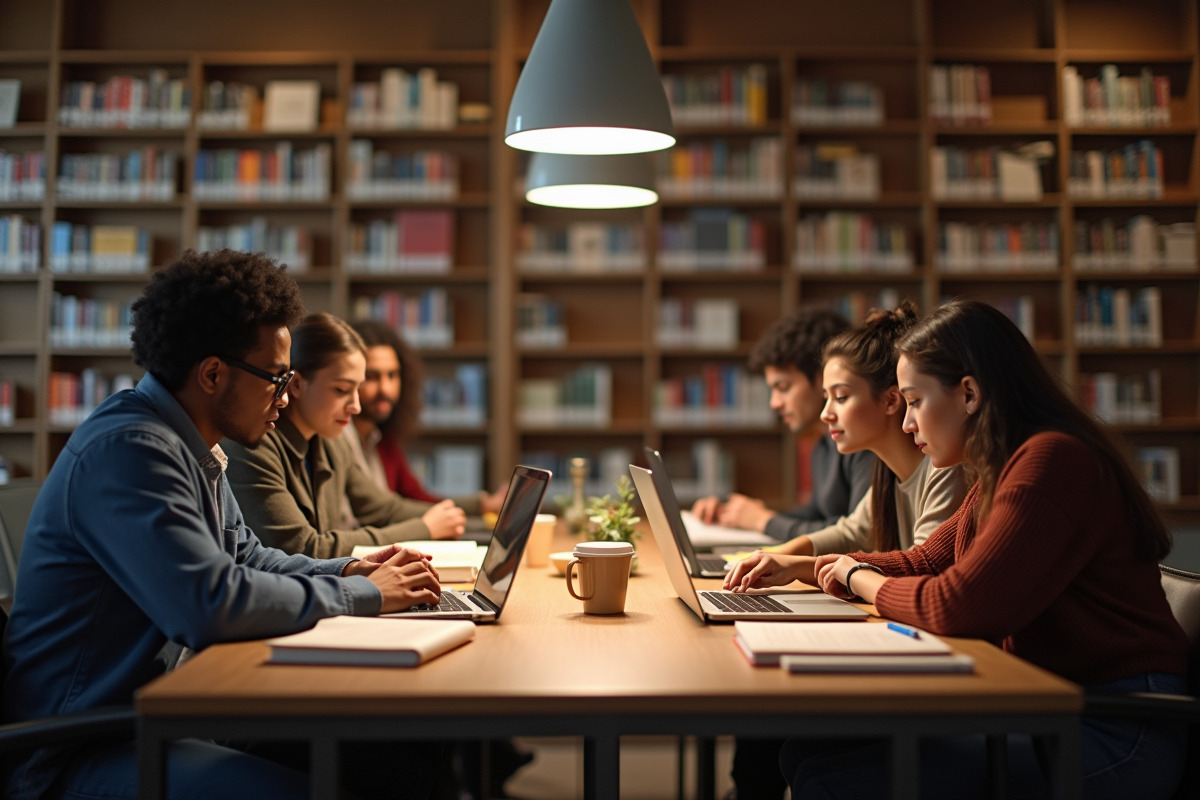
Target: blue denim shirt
(135,550)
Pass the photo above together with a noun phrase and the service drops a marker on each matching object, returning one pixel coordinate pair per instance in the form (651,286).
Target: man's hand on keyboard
(404,577)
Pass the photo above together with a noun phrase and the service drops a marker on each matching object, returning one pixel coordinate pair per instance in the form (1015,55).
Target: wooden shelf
(611,315)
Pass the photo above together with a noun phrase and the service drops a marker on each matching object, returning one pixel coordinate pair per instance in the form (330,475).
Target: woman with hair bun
(908,498)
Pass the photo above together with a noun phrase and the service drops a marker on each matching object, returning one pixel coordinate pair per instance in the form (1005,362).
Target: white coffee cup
(541,536)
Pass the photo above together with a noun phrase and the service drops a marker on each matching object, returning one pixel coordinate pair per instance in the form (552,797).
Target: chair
(16,501)
(1183,594)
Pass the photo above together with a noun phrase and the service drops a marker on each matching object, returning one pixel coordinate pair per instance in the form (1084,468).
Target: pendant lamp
(589,85)
(569,181)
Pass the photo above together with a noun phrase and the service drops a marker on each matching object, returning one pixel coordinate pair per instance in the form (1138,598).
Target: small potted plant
(612,519)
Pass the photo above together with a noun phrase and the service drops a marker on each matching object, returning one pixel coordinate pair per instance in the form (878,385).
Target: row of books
(960,94)
(288,244)
(1140,244)
(127,101)
(835,172)
(722,394)
(1159,467)
(721,169)
(22,176)
(1110,99)
(849,241)
(712,238)
(581,247)
(582,398)
(707,322)
(705,469)
(1114,398)
(412,241)
(540,322)
(449,470)
(8,402)
(89,322)
(998,247)
(423,320)
(1120,317)
(855,305)
(403,99)
(71,398)
(415,175)
(983,173)
(455,401)
(231,105)
(281,173)
(142,174)
(732,95)
(1019,309)
(76,248)
(20,245)
(1132,171)
(823,103)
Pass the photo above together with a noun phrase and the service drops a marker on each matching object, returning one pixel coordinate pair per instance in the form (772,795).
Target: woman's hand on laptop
(768,569)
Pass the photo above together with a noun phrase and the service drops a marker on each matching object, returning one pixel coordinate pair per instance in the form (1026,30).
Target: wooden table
(546,669)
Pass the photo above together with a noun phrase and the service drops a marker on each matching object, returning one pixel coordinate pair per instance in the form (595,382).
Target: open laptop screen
(526,489)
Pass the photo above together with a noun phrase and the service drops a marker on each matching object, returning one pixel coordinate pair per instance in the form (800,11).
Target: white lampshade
(590,85)
(567,181)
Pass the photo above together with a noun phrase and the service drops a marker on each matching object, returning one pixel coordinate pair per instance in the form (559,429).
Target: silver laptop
(699,565)
(721,606)
(486,599)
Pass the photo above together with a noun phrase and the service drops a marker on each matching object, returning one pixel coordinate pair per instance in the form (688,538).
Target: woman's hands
(445,520)
(768,569)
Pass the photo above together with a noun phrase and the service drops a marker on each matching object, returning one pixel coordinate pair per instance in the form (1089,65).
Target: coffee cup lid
(603,549)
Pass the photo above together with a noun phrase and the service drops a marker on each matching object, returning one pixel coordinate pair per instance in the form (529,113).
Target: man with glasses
(136,550)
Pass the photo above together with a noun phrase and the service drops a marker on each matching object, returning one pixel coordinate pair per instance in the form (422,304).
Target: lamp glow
(590,85)
(587,181)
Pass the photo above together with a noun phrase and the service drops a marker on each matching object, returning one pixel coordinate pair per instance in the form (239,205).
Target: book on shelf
(767,643)
(456,560)
(8,403)
(706,322)
(817,102)
(1118,316)
(582,398)
(457,401)
(404,99)
(291,105)
(20,245)
(960,94)
(541,321)
(371,642)
(22,176)
(1160,472)
(10,101)
(1109,99)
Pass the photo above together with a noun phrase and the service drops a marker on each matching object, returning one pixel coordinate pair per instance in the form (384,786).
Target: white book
(765,643)
(291,105)
(371,641)
(10,96)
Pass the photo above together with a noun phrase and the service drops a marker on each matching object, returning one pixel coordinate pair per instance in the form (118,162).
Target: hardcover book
(371,642)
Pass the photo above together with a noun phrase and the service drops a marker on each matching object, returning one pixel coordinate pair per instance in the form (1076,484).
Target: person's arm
(160,541)
(850,533)
(942,495)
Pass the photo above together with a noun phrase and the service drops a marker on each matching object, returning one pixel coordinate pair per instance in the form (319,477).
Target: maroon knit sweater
(1051,575)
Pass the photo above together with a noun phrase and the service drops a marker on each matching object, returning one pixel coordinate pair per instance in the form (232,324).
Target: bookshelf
(850,154)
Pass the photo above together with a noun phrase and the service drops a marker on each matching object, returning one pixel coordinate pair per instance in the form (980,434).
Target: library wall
(1037,154)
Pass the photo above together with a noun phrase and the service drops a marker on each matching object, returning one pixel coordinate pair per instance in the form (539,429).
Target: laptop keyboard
(753,603)
(448,602)
(711,563)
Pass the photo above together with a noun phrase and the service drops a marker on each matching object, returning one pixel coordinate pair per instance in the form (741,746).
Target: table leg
(706,767)
(904,767)
(152,761)
(602,768)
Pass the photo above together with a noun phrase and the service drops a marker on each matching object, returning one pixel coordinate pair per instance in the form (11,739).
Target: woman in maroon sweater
(1053,556)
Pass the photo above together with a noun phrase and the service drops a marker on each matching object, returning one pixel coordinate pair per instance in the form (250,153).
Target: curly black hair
(209,304)
(797,341)
(406,416)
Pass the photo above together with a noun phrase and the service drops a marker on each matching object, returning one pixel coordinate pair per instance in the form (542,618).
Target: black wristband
(855,569)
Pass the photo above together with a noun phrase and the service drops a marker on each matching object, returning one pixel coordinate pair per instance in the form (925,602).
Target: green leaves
(613,520)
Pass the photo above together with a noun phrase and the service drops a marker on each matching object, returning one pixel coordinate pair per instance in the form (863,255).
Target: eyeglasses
(281,381)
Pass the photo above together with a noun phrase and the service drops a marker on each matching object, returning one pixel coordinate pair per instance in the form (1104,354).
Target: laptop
(658,499)
(699,565)
(486,599)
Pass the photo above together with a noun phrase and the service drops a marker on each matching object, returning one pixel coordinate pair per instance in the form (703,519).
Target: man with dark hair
(789,356)
(390,397)
(136,551)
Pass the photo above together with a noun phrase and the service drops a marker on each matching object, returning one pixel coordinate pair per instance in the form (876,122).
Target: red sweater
(399,475)
(1051,575)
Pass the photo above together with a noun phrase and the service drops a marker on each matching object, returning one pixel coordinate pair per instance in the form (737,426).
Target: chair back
(1183,595)
(16,503)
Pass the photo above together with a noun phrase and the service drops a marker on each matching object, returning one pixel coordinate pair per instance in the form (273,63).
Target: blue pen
(907,631)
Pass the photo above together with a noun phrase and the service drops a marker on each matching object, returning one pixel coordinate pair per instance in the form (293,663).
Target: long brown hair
(1018,398)
(870,353)
(405,418)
